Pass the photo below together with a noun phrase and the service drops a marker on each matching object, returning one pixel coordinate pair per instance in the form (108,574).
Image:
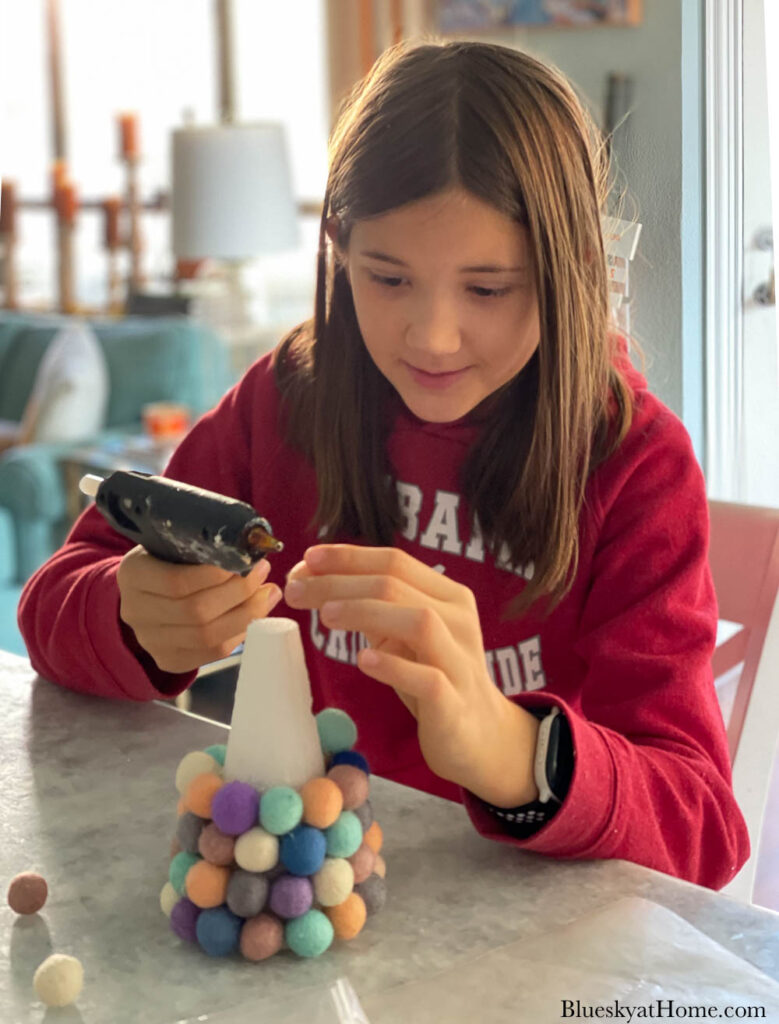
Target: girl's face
(445,295)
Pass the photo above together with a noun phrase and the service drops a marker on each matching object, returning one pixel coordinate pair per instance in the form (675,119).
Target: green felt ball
(179,867)
(281,809)
(309,935)
(218,751)
(344,837)
(337,731)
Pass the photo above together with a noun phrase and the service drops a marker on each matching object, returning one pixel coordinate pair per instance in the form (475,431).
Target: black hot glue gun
(181,523)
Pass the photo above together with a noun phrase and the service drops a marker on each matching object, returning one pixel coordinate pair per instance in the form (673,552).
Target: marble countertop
(87,798)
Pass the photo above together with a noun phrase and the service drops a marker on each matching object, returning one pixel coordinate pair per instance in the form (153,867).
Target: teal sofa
(149,360)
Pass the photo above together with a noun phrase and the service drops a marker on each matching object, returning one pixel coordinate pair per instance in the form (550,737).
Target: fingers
(155,576)
(205,605)
(413,682)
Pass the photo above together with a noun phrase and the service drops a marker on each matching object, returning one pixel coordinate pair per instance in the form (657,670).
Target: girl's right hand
(188,615)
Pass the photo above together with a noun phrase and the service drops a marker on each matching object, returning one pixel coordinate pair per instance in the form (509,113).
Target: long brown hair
(511,131)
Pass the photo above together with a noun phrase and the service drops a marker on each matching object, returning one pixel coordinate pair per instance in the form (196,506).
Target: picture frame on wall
(494,15)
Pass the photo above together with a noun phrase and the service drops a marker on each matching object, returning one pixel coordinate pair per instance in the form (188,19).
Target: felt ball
(181,806)
(365,813)
(374,893)
(348,917)
(322,802)
(334,881)
(59,980)
(201,792)
(218,751)
(345,836)
(206,884)
(168,899)
(194,764)
(362,862)
(351,757)
(309,935)
(27,893)
(380,867)
(291,896)
(219,931)
(234,808)
(303,850)
(262,937)
(336,729)
(215,847)
(353,783)
(183,919)
(247,893)
(188,831)
(281,809)
(179,866)
(374,837)
(257,850)
(175,847)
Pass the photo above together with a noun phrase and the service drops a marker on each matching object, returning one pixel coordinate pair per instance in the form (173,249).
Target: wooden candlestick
(135,279)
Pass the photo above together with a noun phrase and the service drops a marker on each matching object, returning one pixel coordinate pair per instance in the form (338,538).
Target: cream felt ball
(262,937)
(353,783)
(281,809)
(198,762)
(345,836)
(59,980)
(333,882)
(257,850)
(27,893)
(168,899)
(309,935)
(337,730)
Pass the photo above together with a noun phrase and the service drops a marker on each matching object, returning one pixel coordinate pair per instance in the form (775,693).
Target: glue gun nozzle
(258,539)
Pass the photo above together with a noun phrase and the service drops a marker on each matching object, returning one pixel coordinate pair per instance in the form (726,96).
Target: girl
(501,535)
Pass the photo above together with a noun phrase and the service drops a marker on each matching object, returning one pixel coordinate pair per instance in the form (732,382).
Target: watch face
(559,757)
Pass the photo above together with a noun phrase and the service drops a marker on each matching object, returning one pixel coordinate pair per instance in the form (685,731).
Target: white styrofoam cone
(273,736)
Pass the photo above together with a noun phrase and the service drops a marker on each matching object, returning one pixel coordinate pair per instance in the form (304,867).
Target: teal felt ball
(218,751)
(179,867)
(337,731)
(344,837)
(281,810)
(309,935)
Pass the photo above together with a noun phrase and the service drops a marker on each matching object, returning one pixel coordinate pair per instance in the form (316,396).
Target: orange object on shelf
(66,202)
(128,134)
(8,208)
(164,421)
(111,209)
(59,175)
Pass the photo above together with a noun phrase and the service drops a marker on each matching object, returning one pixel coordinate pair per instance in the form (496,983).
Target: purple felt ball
(291,896)
(183,919)
(235,808)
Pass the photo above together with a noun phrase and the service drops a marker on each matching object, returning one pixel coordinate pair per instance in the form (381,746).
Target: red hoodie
(626,654)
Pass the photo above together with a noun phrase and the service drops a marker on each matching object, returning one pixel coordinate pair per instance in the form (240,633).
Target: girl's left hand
(426,643)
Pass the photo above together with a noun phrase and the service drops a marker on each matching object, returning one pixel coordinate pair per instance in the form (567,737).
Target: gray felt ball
(188,831)
(374,893)
(365,813)
(247,893)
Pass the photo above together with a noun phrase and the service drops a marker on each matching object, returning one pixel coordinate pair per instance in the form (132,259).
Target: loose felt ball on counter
(257,850)
(291,896)
(218,751)
(281,809)
(374,837)
(345,836)
(59,980)
(262,937)
(235,807)
(333,882)
(309,935)
(365,813)
(183,920)
(348,917)
(303,850)
(201,792)
(351,757)
(336,729)
(362,862)
(27,893)
(188,831)
(380,867)
(219,931)
(193,764)
(179,866)
(353,783)
(206,884)
(216,847)
(374,893)
(247,893)
(322,802)
(168,899)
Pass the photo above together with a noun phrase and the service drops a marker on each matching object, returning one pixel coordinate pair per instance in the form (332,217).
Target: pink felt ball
(215,847)
(353,783)
(362,863)
(262,937)
(27,893)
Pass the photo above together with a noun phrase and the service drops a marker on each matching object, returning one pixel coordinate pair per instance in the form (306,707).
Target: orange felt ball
(322,802)
(374,837)
(348,917)
(206,884)
(353,783)
(362,862)
(201,792)
(380,867)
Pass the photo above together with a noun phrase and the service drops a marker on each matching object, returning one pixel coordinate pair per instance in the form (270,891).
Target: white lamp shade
(231,192)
